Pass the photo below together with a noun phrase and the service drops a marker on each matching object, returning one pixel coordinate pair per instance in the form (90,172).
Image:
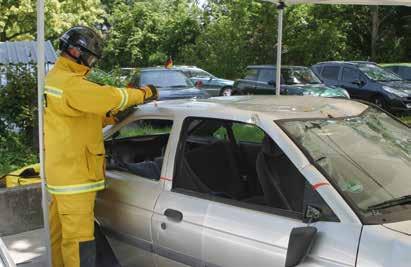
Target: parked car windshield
(368,157)
(299,76)
(166,79)
(377,73)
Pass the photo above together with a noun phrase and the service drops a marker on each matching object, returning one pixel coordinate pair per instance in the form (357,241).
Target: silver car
(258,181)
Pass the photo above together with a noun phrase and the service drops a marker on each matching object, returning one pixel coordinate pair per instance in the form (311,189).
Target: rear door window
(331,72)
(139,148)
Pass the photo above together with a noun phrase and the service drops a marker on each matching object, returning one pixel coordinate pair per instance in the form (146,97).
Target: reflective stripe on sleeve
(76,189)
(53,91)
(124,99)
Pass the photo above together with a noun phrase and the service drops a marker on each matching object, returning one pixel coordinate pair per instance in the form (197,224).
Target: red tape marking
(165,178)
(317,185)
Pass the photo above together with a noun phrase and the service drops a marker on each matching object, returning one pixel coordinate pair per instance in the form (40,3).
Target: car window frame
(235,203)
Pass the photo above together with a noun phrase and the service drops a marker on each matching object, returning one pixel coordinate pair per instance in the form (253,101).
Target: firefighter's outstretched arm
(90,97)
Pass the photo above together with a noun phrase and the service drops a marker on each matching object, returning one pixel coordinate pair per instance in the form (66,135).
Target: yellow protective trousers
(72,230)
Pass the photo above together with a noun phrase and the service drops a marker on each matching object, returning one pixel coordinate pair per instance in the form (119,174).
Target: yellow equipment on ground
(24,176)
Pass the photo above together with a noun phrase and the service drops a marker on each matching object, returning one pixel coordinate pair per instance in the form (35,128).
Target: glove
(150,92)
(120,116)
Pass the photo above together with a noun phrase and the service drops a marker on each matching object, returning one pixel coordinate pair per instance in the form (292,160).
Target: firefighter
(75,112)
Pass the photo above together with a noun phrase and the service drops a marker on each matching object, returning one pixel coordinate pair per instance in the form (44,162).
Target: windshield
(166,78)
(299,76)
(368,157)
(377,73)
(198,74)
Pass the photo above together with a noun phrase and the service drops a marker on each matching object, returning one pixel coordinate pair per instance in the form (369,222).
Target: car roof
(161,68)
(346,62)
(273,67)
(185,67)
(245,107)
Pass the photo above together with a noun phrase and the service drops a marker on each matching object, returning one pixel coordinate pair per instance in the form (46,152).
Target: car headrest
(270,148)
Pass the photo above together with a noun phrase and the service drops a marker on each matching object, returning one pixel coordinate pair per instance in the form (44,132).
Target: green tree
(18,110)
(18,18)
(144,33)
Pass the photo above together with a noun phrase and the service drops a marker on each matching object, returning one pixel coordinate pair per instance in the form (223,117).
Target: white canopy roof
(350,2)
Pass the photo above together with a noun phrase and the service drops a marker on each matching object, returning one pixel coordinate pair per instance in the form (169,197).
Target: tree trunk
(374,31)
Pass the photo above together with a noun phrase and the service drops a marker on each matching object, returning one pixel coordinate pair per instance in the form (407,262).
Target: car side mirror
(358,82)
(312,214)
(272,82)
(299,244)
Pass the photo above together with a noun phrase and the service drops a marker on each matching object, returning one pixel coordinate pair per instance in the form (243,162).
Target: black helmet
(86,40)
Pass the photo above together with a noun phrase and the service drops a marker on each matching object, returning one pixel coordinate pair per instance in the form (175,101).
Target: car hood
(404,86)
(173,93)
(400,227)
(316,90)
(385,247)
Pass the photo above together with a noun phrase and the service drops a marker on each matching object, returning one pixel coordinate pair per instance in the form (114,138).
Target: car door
(125,208)
(352,81)
(249,233)
(265,84)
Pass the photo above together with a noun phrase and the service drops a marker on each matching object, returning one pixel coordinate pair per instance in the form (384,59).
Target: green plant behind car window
(248,133)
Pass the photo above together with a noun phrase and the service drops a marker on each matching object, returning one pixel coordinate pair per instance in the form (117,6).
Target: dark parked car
(171,83)
(401,69)
(368,81)
(213,85)
(295,80)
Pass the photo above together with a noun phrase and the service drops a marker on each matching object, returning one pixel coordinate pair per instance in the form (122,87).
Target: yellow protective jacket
(74,114)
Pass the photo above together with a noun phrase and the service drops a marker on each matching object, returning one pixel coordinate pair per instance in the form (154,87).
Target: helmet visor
(88,58)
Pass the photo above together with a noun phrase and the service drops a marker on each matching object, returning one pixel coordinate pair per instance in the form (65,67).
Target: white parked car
(258,181)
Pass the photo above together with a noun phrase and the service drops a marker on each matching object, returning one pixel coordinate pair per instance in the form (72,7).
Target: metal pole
(280,8)
(40,89)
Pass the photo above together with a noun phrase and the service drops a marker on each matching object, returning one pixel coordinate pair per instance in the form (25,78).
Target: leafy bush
(101,77)
(18,113)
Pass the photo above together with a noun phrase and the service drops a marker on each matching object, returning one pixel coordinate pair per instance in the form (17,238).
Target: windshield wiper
(391,203)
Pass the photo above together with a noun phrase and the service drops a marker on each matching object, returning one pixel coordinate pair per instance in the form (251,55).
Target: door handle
(174,215)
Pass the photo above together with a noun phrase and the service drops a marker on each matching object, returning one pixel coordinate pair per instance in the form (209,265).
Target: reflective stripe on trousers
(76,189)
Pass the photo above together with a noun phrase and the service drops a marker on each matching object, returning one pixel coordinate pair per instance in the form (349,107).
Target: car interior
(139,148)
(255,172)
(217,158)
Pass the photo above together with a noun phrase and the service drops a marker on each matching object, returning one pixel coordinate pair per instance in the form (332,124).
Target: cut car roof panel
(276,108)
